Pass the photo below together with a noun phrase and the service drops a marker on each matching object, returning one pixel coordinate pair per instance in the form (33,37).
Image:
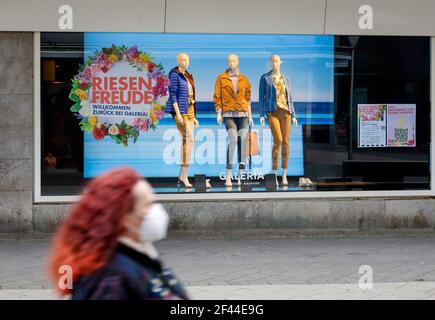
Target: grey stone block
(219,215)
(263,214)
(16,77)
(410,213)
(17,143)
(300,214)
(358,214)
(47,217)
(16,46)
(19,110)
(16,212)
(16,175)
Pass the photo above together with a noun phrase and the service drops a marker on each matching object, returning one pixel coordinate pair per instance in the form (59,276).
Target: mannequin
(232,100)
(276,103)
(182,105)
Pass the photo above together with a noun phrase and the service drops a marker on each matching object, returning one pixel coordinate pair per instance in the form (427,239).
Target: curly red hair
(89,234)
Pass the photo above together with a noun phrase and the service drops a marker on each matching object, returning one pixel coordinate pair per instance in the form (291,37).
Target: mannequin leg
(275,128)
(285,119)
(242,132)
(241,171)
(228,182)
(184,176)
(276,177)
(231,128)
(284,177)
(185,130)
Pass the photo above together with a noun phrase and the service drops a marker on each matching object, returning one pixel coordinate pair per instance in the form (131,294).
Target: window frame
(39,198)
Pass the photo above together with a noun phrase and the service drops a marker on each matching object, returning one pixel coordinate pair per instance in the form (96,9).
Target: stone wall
(346,214)
(16,131)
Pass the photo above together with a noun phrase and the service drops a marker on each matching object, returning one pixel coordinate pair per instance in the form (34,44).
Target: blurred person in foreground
(107,242)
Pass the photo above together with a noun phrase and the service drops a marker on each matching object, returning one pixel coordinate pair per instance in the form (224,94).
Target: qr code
(401,134)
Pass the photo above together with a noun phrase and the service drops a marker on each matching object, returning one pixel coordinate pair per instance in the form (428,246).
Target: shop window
(362,106)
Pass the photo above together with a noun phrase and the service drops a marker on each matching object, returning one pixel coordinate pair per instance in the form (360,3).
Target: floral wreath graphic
(102,61)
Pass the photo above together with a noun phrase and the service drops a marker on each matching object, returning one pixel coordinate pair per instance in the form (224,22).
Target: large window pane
(331,79)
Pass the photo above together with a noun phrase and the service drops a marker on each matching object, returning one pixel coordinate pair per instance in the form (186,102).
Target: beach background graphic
(308,60)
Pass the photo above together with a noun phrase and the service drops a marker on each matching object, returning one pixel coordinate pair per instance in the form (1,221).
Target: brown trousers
(279,122)
(185,129)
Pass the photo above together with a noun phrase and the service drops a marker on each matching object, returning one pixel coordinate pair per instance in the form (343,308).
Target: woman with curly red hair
(107,242)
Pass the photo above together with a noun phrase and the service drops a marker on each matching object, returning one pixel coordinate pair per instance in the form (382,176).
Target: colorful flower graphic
(141,124)
(102,61)
(85,110)
(99,133)
(113,130)
(81,94)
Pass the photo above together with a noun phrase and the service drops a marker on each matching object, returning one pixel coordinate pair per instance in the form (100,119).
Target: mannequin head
(183,61)
(275,62)
(233,62)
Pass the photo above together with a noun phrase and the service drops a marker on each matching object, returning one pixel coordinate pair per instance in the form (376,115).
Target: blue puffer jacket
(179,91)
(267,95)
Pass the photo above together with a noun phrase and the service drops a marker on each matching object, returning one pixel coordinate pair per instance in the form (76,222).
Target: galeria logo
(242,176)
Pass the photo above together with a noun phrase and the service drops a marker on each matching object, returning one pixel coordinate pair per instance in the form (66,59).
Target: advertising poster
(401,125)
(372,125)
(120,95)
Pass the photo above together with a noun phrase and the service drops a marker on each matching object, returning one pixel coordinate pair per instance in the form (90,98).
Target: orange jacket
(224,98)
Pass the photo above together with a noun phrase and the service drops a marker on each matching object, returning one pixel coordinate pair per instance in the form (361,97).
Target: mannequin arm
(217,99)
(251,122)
(219,117)
(295,121)
(177,112)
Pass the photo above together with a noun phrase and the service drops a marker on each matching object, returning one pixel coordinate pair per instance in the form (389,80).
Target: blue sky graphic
(307,61)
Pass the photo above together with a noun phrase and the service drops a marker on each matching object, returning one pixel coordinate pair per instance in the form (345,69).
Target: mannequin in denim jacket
(275,63)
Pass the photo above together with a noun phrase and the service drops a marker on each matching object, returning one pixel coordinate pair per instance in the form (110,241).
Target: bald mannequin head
(275,62)
(233,61)
(183,60)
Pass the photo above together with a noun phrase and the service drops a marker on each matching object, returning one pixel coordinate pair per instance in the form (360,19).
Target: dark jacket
(267,95)
(129,275)
(179,91)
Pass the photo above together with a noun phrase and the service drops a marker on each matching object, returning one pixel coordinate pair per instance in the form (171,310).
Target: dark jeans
(237,129)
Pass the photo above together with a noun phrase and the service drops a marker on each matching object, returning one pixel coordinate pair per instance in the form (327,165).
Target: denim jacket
(267,95)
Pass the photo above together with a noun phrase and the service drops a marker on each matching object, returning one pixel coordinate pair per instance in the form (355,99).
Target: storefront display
(214,148)
(178,108)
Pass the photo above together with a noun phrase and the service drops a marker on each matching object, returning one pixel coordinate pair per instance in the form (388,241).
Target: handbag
(253,147)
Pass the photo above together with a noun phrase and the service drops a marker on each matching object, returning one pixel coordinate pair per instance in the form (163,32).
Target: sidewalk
(380,291)
(282,268)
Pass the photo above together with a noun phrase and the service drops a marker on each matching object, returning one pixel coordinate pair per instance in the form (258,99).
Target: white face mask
(155,224)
